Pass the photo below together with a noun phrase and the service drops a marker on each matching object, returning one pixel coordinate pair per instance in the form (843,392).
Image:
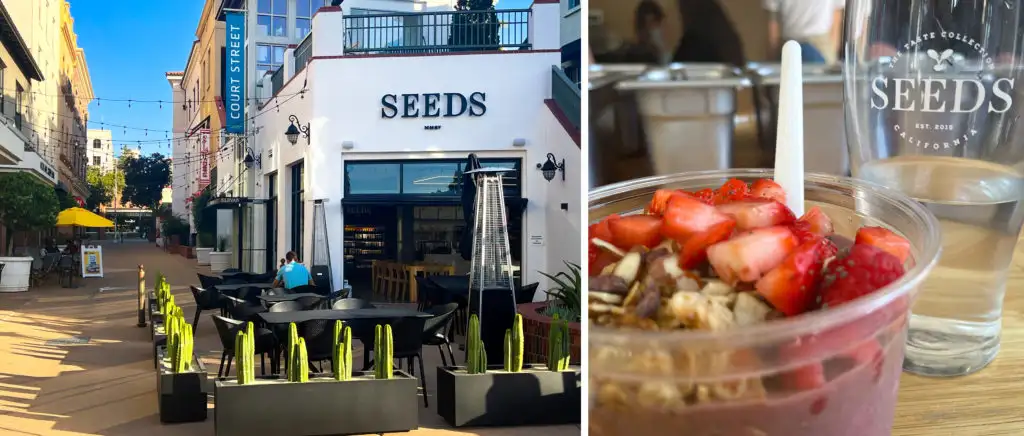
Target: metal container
(688,115)
(614,122)
(824,127)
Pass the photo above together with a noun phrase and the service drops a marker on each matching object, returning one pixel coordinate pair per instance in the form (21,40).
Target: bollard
(142,297)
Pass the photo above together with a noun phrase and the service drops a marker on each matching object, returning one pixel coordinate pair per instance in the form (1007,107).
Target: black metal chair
(242,310)
(249,293)
(351,303)
(206,299)
(406,335)
(310,302)
(264,343)
(436,330)
(209,282)
(525,294)
(66,270)
(319,337)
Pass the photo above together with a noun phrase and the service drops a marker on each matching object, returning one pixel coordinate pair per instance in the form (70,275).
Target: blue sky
(130,48)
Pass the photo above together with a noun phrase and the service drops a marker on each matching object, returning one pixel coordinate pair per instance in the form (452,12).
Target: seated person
(292,274)
(51,246)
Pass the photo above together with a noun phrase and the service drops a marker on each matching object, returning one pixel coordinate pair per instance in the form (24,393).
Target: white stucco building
(99,149)
(385,145)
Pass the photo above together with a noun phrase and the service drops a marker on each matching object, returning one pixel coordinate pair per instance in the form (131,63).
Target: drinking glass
(932,104)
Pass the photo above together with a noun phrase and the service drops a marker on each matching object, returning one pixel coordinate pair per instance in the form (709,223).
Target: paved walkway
(73,362)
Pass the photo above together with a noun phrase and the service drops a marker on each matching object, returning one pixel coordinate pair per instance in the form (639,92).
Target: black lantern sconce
(293,131)
(251,157)
(548,168)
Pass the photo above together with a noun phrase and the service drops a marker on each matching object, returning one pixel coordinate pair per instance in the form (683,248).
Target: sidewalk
(73,362)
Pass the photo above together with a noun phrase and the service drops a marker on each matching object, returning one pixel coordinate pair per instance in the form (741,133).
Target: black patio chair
(209,282)
(242,310)
(525,294)
(235,281)
(264,343)
(206,299)
(263,278)
(406,335)
(319,337)
(436,330)
(310,302)
(285,306)
(427,293)
(304,289)
(66,270)
(249,293)
(231,271)
(351,303)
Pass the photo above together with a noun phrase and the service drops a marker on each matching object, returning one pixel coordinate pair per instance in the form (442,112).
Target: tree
(65,200)
(145,178)
(26,204)
(474,31)
(103,186)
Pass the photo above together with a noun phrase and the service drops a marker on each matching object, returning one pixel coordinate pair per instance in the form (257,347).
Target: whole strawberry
(863,270)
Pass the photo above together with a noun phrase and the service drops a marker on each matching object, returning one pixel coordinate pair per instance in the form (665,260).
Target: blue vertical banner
(234,80)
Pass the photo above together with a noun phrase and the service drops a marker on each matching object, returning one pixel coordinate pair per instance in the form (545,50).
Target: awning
(232,202)
(77,216)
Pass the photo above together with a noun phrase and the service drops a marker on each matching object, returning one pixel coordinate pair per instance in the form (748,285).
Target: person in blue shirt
(292,274)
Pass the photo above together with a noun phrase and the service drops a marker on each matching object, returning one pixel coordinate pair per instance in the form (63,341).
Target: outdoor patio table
(372,314)
(277,298)
(233,288)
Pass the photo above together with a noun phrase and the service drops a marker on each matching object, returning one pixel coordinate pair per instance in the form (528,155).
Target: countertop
(989,402)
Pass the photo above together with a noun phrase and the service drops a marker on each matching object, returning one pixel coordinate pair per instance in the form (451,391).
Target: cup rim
(819,321)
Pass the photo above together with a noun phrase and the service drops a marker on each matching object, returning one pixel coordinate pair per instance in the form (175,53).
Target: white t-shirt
(804,18)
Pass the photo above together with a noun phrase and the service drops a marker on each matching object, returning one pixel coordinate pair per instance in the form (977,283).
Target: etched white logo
(937,93)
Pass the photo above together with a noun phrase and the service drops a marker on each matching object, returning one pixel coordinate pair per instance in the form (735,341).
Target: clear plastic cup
(704,383)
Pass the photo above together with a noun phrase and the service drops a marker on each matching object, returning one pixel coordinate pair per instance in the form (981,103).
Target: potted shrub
(26,204)
(343,402)
(220,260)
(564,301)
(161,313)
(204,248)
(513,393)
(181,378)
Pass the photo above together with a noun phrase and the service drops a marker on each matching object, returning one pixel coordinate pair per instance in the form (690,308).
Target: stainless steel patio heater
(321,261)
(491,296)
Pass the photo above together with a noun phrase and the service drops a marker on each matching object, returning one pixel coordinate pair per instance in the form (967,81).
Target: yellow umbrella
(77,216)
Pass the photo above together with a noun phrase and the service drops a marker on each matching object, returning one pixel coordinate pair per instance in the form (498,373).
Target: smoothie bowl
(715,311)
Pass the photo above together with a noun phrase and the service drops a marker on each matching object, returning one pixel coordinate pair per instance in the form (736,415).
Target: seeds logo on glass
(938,88)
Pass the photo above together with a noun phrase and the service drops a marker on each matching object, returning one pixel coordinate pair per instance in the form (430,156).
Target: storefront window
(373,178)
(441,178)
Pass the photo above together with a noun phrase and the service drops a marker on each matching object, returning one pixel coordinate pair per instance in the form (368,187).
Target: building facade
(73,108)
(572,54)
(385,156)
(179,124)
(99,150)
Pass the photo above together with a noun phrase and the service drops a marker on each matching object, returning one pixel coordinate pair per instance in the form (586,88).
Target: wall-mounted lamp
(251,157)
(549,168)
(293,131)
(348,145)
(519,142)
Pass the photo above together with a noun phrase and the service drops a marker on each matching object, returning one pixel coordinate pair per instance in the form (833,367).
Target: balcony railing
(437,32)
(277,80)
(566,95)
(303,53)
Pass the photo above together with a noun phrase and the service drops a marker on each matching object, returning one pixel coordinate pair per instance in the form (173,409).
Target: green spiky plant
(514,346)
(341,362)
(293,339)
(244,352)
(383,352)
(559,345)
(298,367)
(181,353)
(476,354)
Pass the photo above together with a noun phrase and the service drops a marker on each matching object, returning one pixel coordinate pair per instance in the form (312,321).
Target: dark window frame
(298,212)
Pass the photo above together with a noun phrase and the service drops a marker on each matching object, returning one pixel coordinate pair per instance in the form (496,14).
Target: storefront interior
(414,212)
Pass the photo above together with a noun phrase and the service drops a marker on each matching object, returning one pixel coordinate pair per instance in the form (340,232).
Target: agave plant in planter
(563,302)
(513,393)
(181,377)
(343,402)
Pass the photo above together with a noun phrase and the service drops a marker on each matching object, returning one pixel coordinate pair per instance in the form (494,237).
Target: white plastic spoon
(789,143)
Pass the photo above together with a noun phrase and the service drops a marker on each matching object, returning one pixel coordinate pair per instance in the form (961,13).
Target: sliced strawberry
(864,270)
(767,188)
(884,239)
(660,200)
(732,190)
(759,212)
(818,223)
(632,230)
(804,378)
(706,195)
(601,229)
(792,287)
(687,216)
(694,250)
(746,257)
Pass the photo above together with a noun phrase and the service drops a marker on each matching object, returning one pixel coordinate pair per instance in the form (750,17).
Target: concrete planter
(16,274)
(220,261)
(536,328)
(203,255)
(532,397)
(181,397)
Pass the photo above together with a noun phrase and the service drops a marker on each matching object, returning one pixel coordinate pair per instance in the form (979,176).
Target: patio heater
(321,261)
(491,296)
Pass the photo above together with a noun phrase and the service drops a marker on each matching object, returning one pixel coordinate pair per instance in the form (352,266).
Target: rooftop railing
(303,53)
(437,32)
(566,95)
(277,80)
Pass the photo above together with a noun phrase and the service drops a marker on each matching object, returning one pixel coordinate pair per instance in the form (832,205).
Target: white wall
(571,21)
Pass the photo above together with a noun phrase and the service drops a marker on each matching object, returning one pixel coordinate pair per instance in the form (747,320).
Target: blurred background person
(708,34)
(816,24)
(648,23)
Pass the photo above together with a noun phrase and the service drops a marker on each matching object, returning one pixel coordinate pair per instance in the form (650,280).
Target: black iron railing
(437,32)
(277,80)
(303,53)
(566,95)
